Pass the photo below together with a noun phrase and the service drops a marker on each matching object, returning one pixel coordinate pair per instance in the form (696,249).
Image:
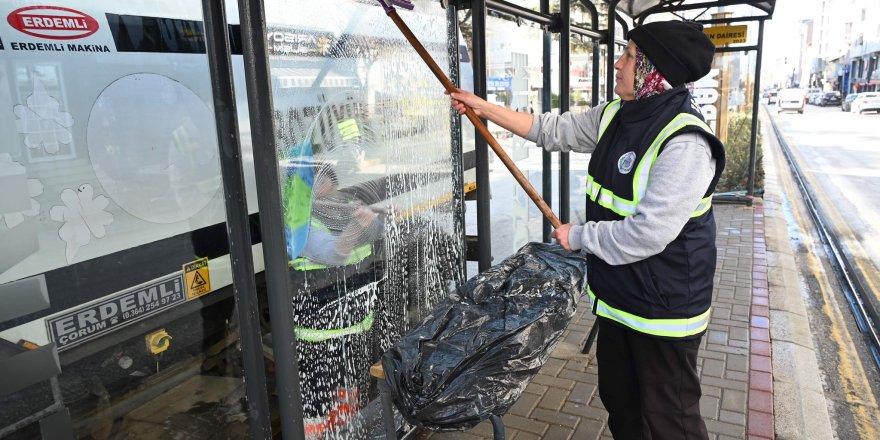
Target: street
(839,153)
(838,157)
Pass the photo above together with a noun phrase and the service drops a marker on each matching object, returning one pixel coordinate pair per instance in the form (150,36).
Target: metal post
(564,98)
(546,98)
(484,220)
(497,427)
(753,141)
(387,409)
(609,52)
(594,24)
(237,225)
(457,147)
(253,36)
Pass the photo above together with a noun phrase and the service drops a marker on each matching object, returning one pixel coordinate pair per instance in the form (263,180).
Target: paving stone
(525,424)
(760,380)
(550,381)
(521,435)
(732,417)
(535,388)
(734,321)
(709,390)
(740,344)
(717,337)
(579,364)
(553,399)
(724,428)
(760,363)
(727,349)
(585,411)
(737,362)
(712,354)
(736,375)
(558,433)
(554,417)
(454,436)
(577,376)
(589,430)
(739,334)
(709,407)
(760,401)
(733,400)
(719,312)
(713,367)
(760,423)
(582,393)
(724,383)
(552,367)
(525,404)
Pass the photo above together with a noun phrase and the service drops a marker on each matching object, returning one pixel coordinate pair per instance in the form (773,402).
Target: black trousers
(649,385)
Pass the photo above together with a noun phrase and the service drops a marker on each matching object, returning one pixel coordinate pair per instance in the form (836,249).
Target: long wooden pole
(478,123)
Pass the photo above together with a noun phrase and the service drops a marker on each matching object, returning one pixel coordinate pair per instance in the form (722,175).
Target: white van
(791,100)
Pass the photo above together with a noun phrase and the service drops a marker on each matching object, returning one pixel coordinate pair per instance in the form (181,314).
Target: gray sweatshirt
(679,179)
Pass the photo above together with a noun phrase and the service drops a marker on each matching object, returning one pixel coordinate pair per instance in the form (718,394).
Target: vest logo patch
(626,162)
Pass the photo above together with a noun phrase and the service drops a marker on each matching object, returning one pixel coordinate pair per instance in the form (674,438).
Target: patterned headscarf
(648,80)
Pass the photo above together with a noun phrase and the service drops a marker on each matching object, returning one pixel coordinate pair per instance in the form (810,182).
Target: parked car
(866,102)
(814,98)
(790,100)
(829,98)
(846,104)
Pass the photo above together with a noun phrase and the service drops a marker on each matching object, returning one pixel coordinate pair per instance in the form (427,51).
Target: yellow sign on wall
(723,35)
(197,279)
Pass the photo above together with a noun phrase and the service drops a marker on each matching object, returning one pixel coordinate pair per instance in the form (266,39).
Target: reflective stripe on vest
(673,328)
(607,115)
(624,207)
(317,335)
(356,256)
(703,207)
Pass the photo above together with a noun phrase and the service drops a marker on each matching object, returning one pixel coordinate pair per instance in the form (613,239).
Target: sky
(782,33)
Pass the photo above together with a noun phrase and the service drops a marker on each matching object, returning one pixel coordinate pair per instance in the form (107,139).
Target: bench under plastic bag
(475,353)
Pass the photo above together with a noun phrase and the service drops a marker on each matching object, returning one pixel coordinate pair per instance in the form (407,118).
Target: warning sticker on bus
(197,278)
(89,321)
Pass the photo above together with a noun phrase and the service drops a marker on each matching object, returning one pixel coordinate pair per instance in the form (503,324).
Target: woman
(650,229)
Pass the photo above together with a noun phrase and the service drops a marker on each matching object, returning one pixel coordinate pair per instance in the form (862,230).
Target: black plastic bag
(476,352)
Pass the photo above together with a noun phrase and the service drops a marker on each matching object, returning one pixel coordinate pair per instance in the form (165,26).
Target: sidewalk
(562,402)
(752,388)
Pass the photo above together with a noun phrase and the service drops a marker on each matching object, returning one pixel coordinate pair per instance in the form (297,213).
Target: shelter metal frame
(253,33)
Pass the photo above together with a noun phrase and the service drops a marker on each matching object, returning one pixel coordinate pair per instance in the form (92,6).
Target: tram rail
(854,291)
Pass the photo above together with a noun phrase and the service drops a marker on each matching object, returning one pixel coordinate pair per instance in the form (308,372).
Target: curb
(798,403)
(760,408)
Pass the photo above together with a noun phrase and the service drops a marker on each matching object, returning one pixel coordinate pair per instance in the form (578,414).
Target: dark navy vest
(668,294)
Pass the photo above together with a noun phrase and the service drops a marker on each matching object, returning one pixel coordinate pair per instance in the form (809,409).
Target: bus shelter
(259,282)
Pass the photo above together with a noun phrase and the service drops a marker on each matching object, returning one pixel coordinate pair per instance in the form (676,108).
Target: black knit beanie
(679,49)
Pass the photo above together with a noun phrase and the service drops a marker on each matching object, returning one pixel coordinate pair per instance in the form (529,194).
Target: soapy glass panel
(514,64)
(724,99)
(365,159)
(580,100)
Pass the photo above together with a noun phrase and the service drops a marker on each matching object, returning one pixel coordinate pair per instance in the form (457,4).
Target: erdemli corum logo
(52,22)
(626,162)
